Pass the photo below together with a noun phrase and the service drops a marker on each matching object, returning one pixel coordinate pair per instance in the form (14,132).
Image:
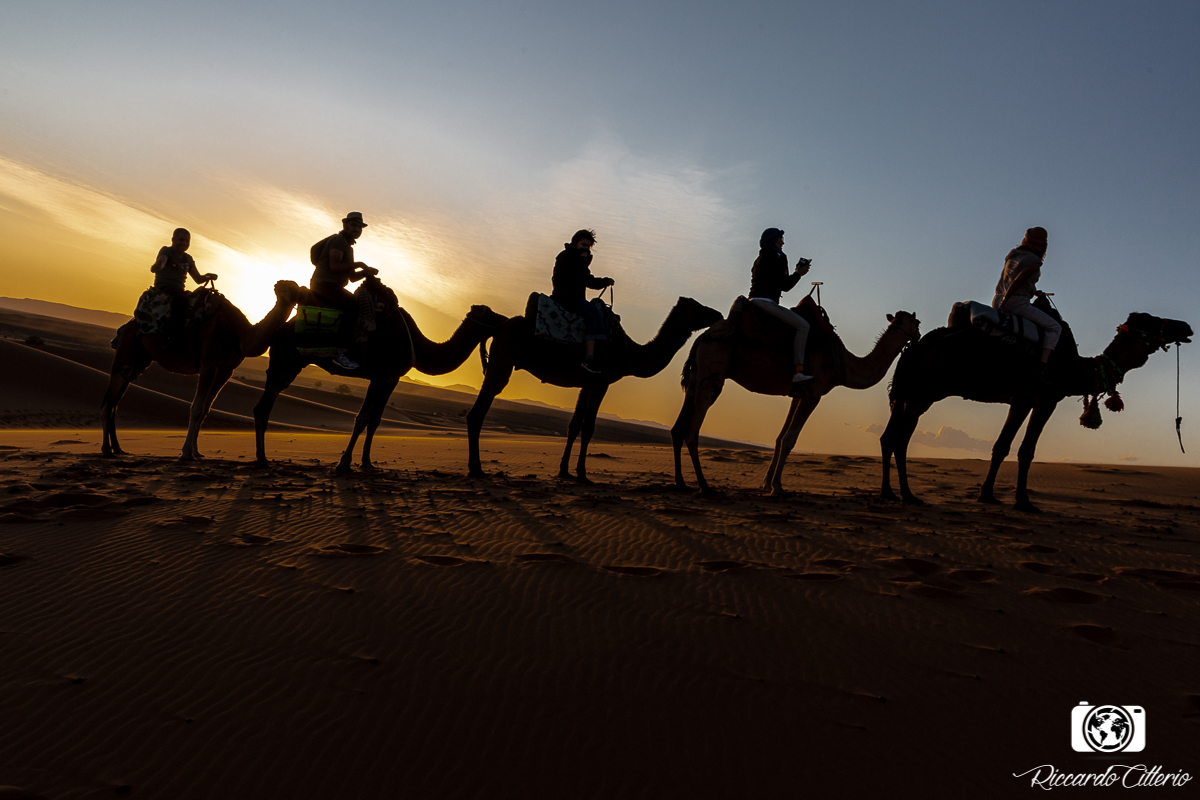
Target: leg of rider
(794,320)
(593,331)
(336,297)
(1021,307)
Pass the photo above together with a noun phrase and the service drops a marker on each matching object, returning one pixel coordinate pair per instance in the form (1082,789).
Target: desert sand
(179,630)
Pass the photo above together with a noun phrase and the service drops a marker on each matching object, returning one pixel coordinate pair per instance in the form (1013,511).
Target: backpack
(318,253)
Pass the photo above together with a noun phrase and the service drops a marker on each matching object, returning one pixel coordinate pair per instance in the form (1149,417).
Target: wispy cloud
(945,437)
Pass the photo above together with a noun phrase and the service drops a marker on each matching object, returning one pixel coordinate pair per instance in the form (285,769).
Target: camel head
(907,322)
(486,317)
(1156,332)
(696,316)
(287,291)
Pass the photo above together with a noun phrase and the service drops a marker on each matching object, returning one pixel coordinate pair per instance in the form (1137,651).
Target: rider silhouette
(333,258)
(171,270)
(572,278)
(769,279)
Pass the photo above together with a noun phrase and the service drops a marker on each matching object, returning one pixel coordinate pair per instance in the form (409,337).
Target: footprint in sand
(250,540)
(441,561)
(1065,595)
(722,566)
(1086,577)
(536,558)
(636,572)
(8,559)
(917,566)
(937,592)
(836,563)
(814,576)
(1040,548)
(343,550)
(1165,578)
(1097,634)
(1039,567)
(975,575)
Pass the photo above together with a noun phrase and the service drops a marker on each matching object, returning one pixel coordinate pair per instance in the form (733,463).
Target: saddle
(554,323)
(1008,328)
(756,328)
(153,311)
(321,330)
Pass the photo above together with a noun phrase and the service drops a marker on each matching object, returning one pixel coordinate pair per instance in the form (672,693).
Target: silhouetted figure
(171,270)
(333,258)
(572,278)
(1018,287)
(769,279)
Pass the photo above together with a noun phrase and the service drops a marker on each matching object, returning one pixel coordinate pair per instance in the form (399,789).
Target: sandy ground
(210,630)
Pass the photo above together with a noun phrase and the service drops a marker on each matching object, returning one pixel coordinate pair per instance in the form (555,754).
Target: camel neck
(866,371)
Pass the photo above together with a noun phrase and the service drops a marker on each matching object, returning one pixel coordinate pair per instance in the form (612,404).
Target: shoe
(342,361)
(589,364)
(800,377)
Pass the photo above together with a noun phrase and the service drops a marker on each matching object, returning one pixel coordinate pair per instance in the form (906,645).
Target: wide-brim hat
(355,216)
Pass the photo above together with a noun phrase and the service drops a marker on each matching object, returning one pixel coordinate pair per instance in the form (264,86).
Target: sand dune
(215,630)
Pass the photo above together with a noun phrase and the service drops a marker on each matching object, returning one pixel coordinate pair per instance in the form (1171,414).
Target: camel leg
(1017,412)
(378,393)
(573,428)
(886,448)
(278,380)
(595,398)
(905,426)
(801,410)
(1037,422)
(705,395)
(137,359)
(212,379)
(679,431)
(499,371)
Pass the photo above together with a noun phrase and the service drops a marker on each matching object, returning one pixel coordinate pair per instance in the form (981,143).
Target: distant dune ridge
(104,319)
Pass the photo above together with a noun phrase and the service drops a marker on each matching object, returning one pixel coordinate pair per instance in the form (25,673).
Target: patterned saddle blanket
(1008,328)
(553,322)
(153,310)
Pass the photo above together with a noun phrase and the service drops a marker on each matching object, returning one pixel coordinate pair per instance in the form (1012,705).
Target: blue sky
(904,148)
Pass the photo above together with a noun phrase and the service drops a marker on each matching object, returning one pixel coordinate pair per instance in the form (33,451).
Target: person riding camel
(1017,288)
(333,258)
(769,279)
(171,270)
(572,278)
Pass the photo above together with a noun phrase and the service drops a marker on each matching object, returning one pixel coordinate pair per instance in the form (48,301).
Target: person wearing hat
(1018,286)
(333,258)
(769,279)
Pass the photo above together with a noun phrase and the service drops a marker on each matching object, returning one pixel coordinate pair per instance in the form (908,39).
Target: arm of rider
(802,266)
(158,262)
(361,271)
(197,277)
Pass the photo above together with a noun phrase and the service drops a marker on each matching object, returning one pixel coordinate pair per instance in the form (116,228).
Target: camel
(212,349)
(396,346)
(515,347)
(714,358)
(960,361)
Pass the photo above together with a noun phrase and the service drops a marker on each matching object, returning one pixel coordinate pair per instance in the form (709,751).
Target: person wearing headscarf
(1018,286)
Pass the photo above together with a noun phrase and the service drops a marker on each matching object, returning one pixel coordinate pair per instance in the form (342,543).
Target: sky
(903,147)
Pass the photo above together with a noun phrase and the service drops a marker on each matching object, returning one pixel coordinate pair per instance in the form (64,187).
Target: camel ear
(890,318)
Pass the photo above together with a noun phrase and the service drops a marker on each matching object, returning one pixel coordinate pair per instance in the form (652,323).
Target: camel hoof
(476,473)
(344,469)
(565,475)
(989,498)
(888,494)
(584,480)
(262,463)
(913,500)
(367,466)
(1025,505)
(708,491)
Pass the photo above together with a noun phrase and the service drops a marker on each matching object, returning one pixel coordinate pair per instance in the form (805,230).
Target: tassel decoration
(1090,418)
(1114,403)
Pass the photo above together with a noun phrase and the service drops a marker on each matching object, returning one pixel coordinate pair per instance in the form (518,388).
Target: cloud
(945,437)
(1129,458)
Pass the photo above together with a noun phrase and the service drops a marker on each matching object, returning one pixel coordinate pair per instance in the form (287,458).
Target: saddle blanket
(153,310)
(316,330)
(553,322)
(994,323)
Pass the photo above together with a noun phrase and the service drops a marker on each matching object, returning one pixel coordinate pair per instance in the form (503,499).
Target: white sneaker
(800,377)
(345,363)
